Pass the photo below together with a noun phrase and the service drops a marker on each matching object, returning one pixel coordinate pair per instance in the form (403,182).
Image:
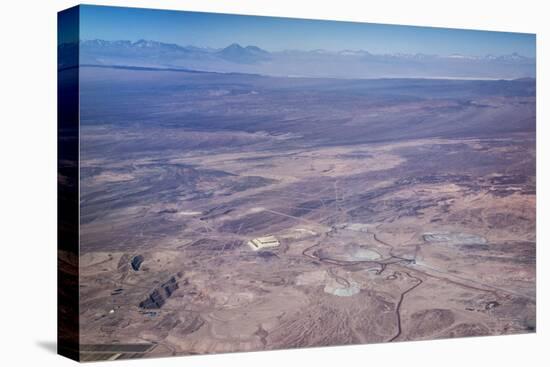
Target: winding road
(400,302)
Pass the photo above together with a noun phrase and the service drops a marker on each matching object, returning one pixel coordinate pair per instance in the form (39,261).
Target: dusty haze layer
(302,63)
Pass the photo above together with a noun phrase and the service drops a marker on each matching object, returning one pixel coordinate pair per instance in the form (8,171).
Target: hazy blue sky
(274,34)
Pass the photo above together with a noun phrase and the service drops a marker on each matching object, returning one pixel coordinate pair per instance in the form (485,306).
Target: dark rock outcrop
(136,262)
(157,298)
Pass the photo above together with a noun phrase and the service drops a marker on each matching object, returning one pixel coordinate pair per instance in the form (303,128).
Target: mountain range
(300,63)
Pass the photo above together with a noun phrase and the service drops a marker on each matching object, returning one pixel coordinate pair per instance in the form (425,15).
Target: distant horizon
(203,47)
(274,34)
(167,69)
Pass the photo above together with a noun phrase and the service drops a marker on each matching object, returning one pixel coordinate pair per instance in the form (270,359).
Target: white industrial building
(263,242)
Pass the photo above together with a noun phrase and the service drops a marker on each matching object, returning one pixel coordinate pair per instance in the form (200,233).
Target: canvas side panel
(68,183)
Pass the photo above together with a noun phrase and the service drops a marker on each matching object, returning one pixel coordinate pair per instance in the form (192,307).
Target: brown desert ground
(403,210)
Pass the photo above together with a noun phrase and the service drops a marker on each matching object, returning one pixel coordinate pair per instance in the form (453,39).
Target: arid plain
(402,209)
